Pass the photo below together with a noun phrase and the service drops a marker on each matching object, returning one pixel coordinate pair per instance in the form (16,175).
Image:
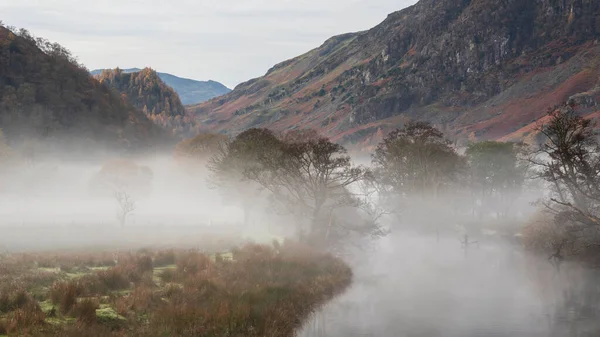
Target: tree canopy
(303,173)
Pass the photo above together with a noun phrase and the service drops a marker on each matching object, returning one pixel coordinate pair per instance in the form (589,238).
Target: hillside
(46,95)
(189,91)
(147,92)
(475,68)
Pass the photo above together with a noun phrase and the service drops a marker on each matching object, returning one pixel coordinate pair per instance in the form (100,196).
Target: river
(415,286)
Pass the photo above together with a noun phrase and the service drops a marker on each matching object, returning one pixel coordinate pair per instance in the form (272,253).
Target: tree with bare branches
(126,205)
(569,161)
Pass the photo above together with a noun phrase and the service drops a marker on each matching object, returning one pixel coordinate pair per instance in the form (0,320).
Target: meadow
(249,290)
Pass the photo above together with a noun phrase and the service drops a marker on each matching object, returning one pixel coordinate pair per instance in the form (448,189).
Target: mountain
(477,69)
(47,96)
(145,90)
(190,91)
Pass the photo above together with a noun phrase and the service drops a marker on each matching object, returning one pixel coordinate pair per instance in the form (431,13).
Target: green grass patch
(108,315)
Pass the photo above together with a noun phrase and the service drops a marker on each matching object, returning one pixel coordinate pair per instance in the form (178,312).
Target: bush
(13,299)
(167,275)
(144,263)
(65,294)
(92,285)
(25,317)
(116,278)
(85,311)
(193,262)
(164,258)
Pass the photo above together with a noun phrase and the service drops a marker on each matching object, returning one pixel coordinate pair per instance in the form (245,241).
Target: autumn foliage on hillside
(148,93)
(45,93)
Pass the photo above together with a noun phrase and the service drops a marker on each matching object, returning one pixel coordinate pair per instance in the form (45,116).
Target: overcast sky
(229,41)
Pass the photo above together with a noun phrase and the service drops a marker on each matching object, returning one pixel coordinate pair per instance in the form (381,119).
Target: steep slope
(190,91)
(147,92)
(45,94)
(475,68)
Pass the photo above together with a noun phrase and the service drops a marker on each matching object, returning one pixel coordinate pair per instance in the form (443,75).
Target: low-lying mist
(50,204)
(442,242)
(414,285)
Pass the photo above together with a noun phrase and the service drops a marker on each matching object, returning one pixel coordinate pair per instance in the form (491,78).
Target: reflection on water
(416,287)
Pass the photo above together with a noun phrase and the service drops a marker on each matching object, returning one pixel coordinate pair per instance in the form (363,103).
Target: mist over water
(408,284)
(415,286)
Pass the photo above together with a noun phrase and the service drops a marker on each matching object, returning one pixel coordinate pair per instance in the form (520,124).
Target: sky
(230,41)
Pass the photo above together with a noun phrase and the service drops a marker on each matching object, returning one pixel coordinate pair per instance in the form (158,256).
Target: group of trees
(46,94)
(422,178)
(314,179)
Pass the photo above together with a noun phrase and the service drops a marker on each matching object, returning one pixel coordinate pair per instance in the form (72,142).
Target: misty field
(254,290)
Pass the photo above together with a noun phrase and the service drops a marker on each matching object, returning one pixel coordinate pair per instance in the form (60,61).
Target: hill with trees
(46,95)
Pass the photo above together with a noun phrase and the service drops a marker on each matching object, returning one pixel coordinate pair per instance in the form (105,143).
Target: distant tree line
(307,175)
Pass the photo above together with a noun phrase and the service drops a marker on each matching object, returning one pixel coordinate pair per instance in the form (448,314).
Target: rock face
(475,68)
(146,91)
(189,91)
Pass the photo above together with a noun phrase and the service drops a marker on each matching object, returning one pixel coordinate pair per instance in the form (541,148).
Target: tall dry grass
(264,291)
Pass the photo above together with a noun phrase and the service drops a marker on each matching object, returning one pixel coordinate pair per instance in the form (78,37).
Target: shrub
(65,294)
(24,318)
(167,275)
(144,263)
(92,285)
(14,298)
(193,262)
(116,278)
(85,311)
(164,258)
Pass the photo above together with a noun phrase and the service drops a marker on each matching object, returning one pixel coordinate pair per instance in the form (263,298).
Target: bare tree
(569,159)
(126,205)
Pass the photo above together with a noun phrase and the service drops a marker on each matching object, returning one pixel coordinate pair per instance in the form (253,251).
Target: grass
(250,291)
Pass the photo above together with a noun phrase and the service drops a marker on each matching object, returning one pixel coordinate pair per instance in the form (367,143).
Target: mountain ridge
(457,64)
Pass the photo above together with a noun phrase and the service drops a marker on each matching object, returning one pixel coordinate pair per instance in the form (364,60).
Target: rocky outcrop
(456,63)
